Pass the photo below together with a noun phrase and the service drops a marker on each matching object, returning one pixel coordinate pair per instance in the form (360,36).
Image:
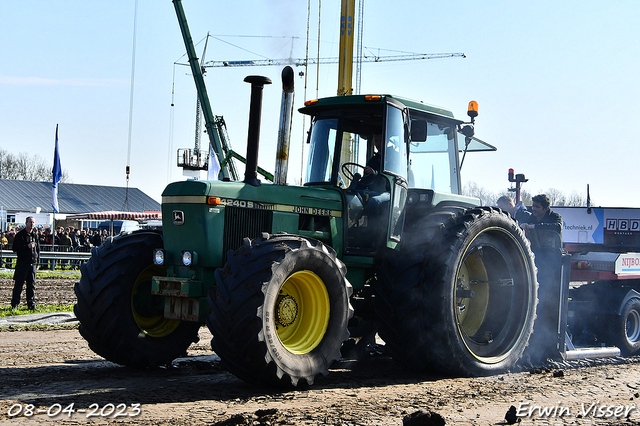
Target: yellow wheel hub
(302,312)
(472,277)
(150,322)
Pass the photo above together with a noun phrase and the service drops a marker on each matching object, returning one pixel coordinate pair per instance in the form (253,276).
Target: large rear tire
(463,301)
(119,317)
(280,310)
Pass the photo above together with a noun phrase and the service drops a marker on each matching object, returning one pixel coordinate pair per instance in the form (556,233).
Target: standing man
(546,223)
(27,248)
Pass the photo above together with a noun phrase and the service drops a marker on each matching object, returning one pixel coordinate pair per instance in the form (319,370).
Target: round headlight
(158,257)
(187,258)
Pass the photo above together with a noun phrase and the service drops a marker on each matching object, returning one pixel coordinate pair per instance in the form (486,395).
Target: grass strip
(7,311)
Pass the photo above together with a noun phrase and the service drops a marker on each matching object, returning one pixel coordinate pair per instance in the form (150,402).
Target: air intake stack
(253,138)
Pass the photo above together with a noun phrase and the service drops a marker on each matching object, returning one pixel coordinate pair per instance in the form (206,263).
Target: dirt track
(53,369)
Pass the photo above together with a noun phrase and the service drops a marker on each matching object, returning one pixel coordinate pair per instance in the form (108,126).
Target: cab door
(395,159)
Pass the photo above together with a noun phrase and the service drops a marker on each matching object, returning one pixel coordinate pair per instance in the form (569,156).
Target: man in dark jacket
(27,247)
(546,223)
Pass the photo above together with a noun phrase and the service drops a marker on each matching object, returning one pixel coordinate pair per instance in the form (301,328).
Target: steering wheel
(357,181)
(347,173)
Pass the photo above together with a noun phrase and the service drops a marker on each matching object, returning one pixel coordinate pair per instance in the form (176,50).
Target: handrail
(58,255)
(48,259)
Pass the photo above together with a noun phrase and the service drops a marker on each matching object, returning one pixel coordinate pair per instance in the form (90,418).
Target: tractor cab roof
(417,109)
(334,102)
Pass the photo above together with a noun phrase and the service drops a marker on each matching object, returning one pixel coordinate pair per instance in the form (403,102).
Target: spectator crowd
(67,239)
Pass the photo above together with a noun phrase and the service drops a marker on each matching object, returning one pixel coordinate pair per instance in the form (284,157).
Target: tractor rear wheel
(463,301)
(280,310)
(119,317)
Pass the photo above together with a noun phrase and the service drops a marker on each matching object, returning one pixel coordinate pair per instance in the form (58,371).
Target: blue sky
(556,82)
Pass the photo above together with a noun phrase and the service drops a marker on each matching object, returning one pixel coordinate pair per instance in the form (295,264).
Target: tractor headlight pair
(188,257)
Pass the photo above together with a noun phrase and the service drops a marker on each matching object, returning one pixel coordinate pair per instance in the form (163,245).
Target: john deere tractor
(375,240)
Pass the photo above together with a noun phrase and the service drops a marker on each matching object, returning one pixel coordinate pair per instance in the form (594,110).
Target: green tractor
(376,240)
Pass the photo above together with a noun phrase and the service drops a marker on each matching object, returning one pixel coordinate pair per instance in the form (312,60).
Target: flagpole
(57,175)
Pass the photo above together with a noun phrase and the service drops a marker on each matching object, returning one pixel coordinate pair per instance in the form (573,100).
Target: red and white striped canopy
(115,215)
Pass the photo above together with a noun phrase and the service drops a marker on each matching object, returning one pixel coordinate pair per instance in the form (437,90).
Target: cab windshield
(350,136)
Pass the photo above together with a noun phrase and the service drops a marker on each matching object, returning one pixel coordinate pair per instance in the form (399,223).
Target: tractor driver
(376,194)
(373,165)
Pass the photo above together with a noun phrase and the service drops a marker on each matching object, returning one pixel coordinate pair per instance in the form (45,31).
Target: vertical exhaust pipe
(253,138)
(284,129)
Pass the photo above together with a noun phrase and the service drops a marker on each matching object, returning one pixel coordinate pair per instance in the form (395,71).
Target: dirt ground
(44,373)
(49,291)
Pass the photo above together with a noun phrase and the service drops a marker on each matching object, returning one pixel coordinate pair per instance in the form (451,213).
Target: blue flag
(57,175)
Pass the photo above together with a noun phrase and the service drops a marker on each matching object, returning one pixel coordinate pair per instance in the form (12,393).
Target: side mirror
(467,130)
(418,130)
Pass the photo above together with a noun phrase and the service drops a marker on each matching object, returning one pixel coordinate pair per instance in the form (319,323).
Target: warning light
(473,109)
(511,175)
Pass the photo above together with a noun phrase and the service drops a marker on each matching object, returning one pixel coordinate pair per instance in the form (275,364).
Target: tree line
(557,197)
(23,166)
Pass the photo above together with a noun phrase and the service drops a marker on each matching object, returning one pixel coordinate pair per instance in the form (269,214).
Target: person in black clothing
(83,241)
(96,240)
(27,247)
(376,194)
(544,220)
(373,165)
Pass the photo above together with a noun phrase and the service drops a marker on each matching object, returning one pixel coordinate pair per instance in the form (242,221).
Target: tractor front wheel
(280,310)
(119,317)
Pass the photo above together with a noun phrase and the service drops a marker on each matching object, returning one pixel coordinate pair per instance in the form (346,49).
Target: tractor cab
(383,152)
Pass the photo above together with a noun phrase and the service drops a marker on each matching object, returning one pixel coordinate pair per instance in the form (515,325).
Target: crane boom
(328,61)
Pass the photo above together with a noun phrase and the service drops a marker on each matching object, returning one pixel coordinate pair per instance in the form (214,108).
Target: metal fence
(51,257)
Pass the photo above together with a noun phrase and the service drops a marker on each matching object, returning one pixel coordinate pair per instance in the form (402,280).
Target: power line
(327,61)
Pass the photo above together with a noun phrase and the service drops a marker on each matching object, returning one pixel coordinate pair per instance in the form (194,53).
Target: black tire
(431,324)
(280,310)
(119,318)
(625,329)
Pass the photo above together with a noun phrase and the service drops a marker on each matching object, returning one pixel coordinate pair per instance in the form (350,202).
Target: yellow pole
(347,31)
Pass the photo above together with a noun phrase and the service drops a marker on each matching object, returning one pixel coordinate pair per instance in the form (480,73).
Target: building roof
(23,195)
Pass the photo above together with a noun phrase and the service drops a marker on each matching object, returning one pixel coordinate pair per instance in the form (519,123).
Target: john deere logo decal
(178,217)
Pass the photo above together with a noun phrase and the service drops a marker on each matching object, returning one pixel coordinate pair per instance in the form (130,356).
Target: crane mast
(345,64)
(198,105)
(360,24)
